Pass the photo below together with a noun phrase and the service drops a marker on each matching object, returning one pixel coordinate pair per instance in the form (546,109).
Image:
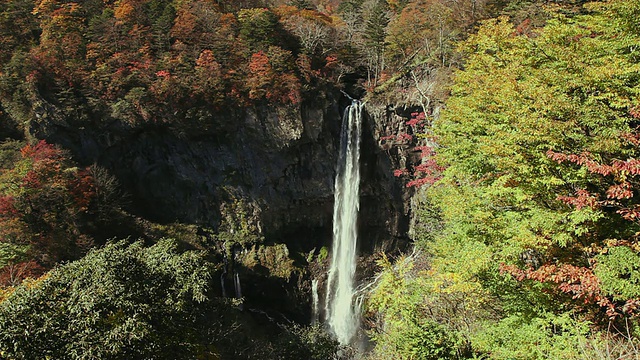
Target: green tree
(374,33)
(258,27)
(535,139)
(123,300)
(129,301)
(568,89)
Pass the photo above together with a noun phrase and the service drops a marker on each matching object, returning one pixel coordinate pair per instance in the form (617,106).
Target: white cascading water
(341,310)
(236,284)
(315,300)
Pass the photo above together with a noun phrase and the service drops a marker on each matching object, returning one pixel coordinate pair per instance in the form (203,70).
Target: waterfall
(314,298)
(341,311)
(236,283)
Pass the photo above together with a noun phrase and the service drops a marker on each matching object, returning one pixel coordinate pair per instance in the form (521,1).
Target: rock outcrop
(270,167)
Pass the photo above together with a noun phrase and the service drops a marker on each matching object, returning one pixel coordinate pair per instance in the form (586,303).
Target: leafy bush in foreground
(122,301)
(128,301)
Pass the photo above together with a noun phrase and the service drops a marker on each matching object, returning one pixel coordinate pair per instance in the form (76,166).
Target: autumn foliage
(532,229)
(43,201)
(427,171)
(150,61)
(581,282)
(271,78)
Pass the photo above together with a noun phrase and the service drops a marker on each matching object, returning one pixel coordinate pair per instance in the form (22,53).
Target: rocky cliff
(263,176)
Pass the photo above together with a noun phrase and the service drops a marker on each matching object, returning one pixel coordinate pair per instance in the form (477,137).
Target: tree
(127,300)
(43,202)
(272,77)
(552,111)
(62,45)
(374,35)
(313,29)
(123,300)
(209,81)
(403,317)
(302,4)
(258,27)
(18,27)
(538,141)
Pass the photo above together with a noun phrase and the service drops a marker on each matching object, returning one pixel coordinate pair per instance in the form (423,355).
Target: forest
(167,168)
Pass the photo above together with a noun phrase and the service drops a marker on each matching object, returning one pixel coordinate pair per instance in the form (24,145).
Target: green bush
(619,273)
(122,301)
(546,337)
(128,301)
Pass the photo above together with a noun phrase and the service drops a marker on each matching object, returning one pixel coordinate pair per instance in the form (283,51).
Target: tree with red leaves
(428,171)
(272,77)
(43,200)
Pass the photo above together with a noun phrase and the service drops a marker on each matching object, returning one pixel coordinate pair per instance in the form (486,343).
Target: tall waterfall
(340,308)
(315,301)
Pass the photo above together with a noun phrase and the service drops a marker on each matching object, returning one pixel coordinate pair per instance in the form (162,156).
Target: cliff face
(271,168)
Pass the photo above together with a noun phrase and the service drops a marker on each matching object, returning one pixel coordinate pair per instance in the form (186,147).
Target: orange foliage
(619,195)
(14,274)
(578,282)
(43,209)
(261,75)
(269,78)
(123,11)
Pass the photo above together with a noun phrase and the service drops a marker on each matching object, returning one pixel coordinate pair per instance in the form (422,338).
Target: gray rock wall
(271,167)
(278,161)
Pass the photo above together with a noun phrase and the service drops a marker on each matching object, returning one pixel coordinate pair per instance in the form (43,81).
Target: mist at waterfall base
(341,311)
